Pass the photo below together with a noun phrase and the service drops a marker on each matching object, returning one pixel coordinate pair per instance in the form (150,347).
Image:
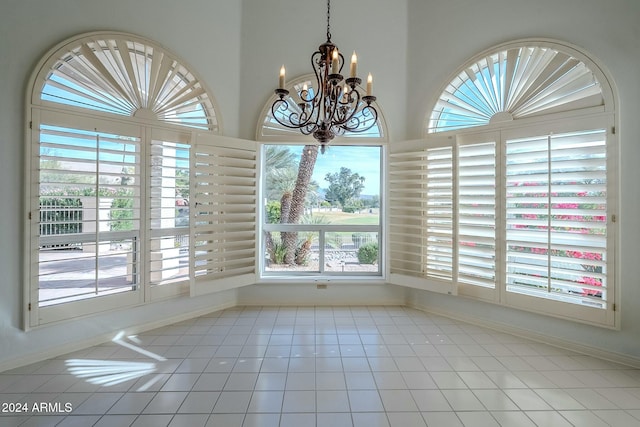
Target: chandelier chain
(329,20)
(332,106)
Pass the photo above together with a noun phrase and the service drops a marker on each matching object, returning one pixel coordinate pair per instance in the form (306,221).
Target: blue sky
(362,160)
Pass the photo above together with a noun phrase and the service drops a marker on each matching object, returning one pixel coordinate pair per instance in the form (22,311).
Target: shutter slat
(225,211)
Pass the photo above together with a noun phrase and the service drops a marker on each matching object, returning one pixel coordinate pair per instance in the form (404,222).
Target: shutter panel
(421,214)
(439,212)
(169,210)
(556,217)
(86,240)
(477,214)
(579,215)
(527,205)
(406,209)
(224,214)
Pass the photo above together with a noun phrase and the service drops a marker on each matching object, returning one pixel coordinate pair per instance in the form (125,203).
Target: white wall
(410,46)
(276,32)
(306,294)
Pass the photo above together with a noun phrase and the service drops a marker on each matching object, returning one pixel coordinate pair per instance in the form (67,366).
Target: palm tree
(278,157)
(280,172)
(302,252)
(290,183)
(295,207)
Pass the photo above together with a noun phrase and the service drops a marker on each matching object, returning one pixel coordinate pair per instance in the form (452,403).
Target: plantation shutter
(224,213)
(169,211)
(85,234)
(421,214)
(476,221)
(556,237)
(514,82)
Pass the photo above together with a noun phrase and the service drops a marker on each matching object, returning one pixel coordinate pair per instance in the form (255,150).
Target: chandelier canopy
(334,105)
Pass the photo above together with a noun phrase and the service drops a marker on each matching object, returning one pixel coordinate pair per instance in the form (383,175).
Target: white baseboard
(599,353)
(106,337)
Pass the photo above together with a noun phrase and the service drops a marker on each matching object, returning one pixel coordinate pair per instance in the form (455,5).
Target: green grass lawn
(343,218)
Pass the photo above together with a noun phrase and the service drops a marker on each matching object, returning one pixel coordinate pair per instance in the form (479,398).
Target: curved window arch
(114,126)
(349,156)
(268,129)
(519,80)
(516,176)
(125,75)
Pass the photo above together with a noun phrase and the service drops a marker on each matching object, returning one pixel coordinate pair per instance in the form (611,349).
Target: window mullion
(501,219)
(97,219)
(145,222)
(321,245)
(455,204)
(549,213)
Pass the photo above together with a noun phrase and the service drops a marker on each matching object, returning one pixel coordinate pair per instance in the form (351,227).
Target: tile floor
(322,366)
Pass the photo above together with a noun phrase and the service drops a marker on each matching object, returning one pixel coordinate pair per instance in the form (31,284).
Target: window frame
(143,126)
(609,97)
(322,276)
(56,312)
(290,137)
(608,317)
(580,118)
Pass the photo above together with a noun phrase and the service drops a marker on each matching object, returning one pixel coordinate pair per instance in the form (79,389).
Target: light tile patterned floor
(322,366)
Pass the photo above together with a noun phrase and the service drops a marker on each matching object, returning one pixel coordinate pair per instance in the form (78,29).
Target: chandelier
(334,105)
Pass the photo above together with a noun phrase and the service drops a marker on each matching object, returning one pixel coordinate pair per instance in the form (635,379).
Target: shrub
(368,253)
(277,253)
(273,212)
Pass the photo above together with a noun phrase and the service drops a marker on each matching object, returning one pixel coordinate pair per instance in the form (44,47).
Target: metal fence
(60,216)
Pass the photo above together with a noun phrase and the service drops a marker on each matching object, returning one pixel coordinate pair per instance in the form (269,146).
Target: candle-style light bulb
(282,74)
(334,62)
(369,84)
(354,65)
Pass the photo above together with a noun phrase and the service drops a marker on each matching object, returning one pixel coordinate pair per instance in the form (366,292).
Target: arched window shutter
(128,76)
(515,82)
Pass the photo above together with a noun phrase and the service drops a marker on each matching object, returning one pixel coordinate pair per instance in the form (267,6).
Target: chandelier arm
(316,60)
(365,111)
(309,129)
(346,110)
(283,106)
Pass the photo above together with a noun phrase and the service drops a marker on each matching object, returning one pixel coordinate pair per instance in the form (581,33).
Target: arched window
(512,188)
(519,80)
(125,75)
(115,124)
(333,229)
